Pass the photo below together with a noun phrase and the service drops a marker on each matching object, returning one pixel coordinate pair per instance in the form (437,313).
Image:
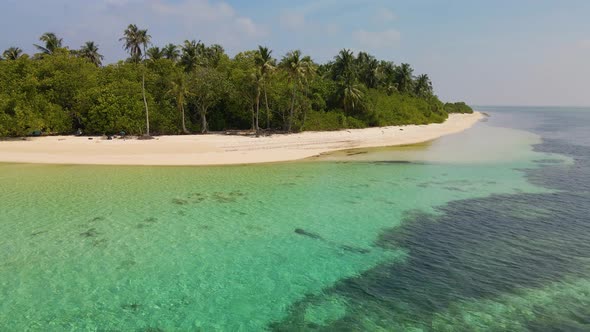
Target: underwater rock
(221,198)
(454,189)
(308,234)
(356,153)
(90,233)
(153,329)
(180,201)
(127,264)
(388,162)
(548,161)
(355,249)
(131,306)
(102,243)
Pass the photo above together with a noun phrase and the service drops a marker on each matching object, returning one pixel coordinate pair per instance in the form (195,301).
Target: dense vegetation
(196,88)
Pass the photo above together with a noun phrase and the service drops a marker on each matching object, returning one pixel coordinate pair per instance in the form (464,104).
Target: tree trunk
(204,128)
(183,123)
(267,109)
(147,113)
(252,116)
(305,108)
(304,118)
(257,127)
(292,111)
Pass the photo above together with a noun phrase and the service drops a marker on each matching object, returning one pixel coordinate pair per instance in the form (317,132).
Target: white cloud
(385,15)
(584,44)
(201,10)
(212,21)
(377,39)
(247,26)
(292,20)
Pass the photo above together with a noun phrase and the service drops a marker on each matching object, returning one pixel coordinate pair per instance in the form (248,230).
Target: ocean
(486,230)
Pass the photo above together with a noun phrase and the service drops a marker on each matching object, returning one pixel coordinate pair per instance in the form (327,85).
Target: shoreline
(219,149)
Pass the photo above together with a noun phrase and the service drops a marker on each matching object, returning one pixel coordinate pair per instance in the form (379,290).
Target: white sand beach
(219,149)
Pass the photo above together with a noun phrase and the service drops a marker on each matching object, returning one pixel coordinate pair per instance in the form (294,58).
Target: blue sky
(487,52)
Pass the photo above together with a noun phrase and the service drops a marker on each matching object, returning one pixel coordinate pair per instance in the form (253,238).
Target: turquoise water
(352,241)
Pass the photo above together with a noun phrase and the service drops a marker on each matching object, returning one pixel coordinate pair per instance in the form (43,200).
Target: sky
(486,52)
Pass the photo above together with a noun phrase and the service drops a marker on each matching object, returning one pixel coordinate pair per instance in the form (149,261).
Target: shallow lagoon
(432,237)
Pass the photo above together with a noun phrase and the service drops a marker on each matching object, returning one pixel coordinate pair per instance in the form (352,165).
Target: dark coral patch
(90,233)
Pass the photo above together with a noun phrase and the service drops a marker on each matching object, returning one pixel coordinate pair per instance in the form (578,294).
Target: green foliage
(113,108)
(459,107)
(59,90)
(331,120)
(399,109)
(208,86)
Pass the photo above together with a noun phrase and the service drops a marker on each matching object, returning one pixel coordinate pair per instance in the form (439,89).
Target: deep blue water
(500,263)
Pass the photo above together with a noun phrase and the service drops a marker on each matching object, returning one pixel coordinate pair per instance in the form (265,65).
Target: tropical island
(195,88)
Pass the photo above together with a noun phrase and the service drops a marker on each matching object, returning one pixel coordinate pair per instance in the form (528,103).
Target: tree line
(193,87)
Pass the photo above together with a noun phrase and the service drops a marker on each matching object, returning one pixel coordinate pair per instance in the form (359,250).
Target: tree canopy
(194,88)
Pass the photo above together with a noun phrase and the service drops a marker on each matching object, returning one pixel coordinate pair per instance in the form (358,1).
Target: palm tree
(191,55)
(294,65)
(368,68)
(180,91)
(309,73)
(265,64)
(212,55)
(89,51)
(386,73)
(423,86)
(52,43)
(404,78)
(136,42)
(12,53)
(154,53)
(352,96)
(345,72)
(171,52)
(344,66)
